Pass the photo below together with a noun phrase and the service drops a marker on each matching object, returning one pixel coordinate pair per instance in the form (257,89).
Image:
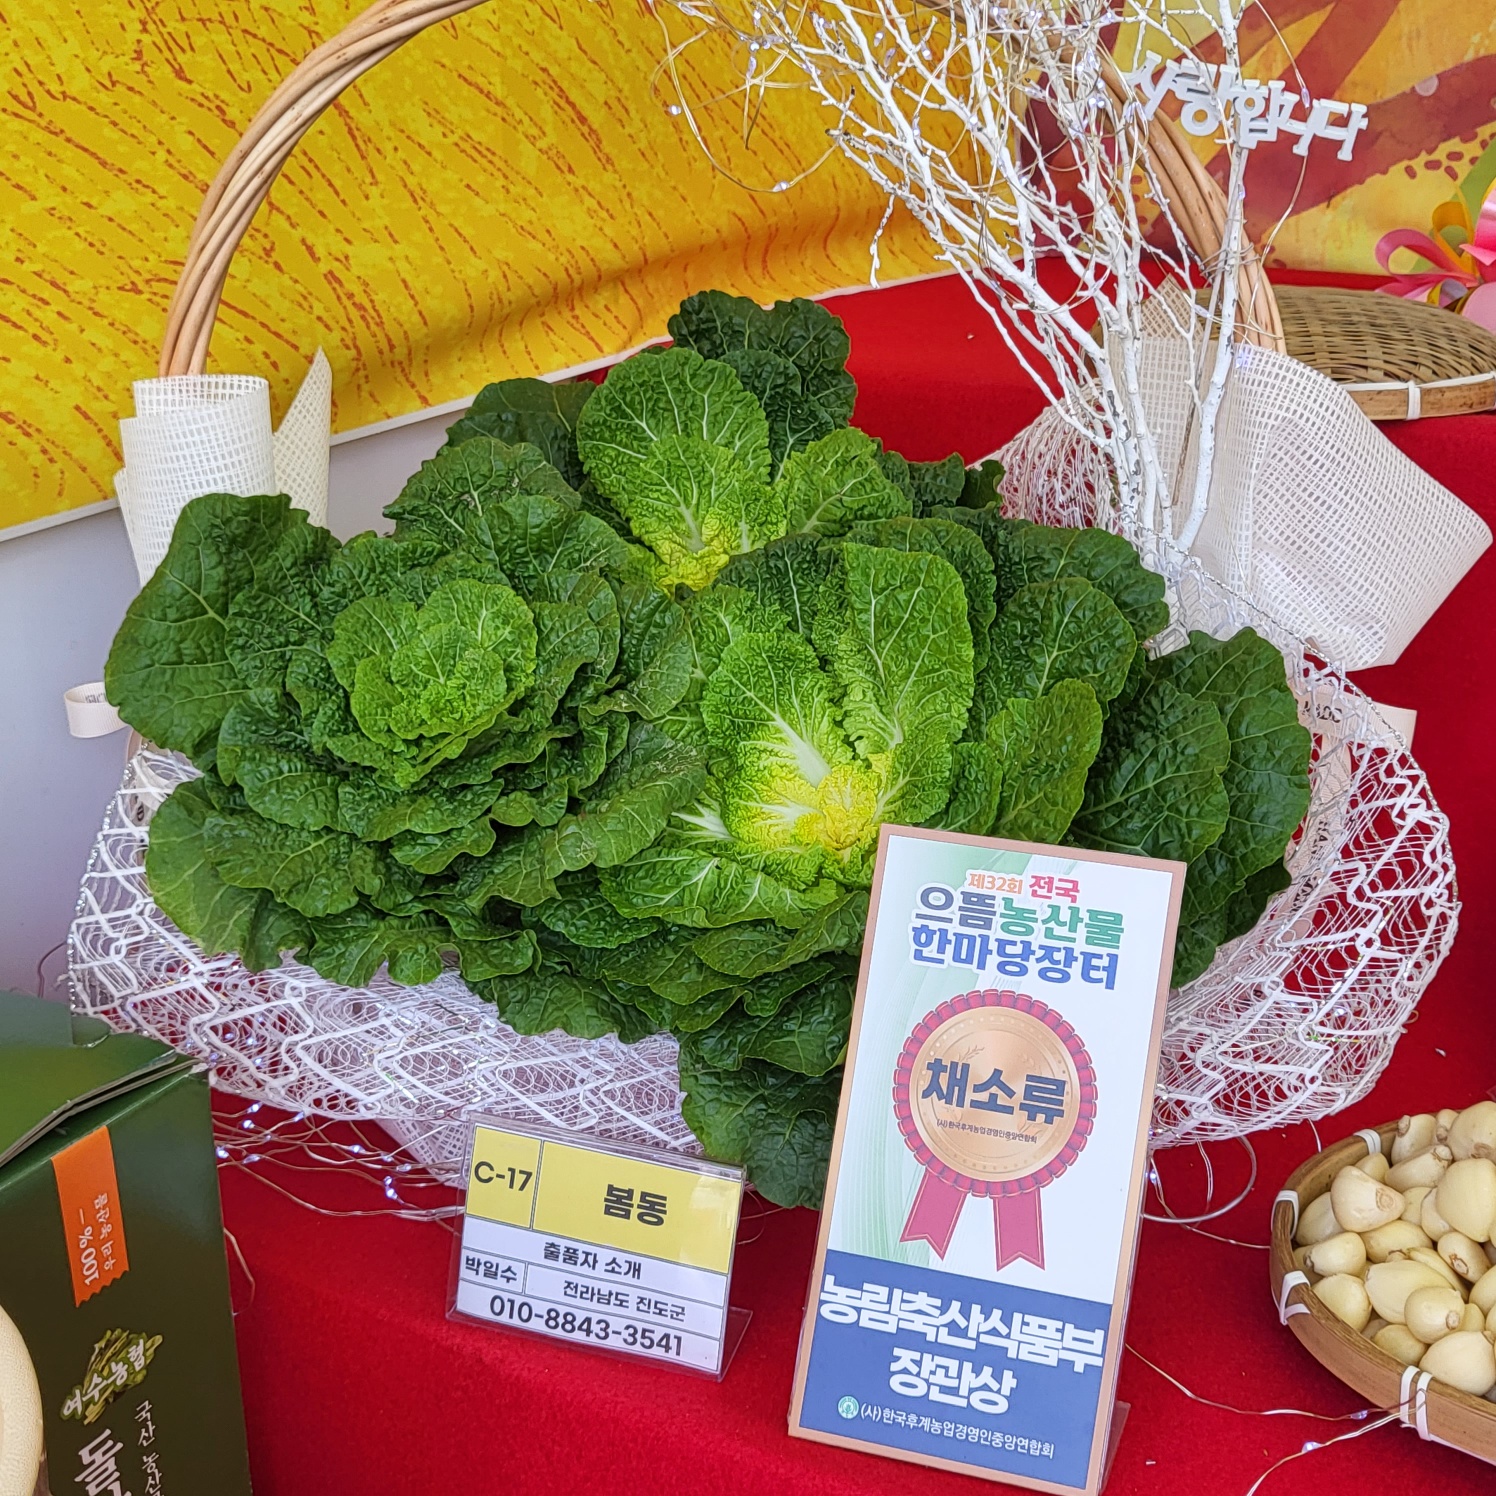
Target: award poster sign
(976,1247)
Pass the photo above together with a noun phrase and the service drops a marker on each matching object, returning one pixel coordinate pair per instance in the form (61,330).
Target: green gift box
(118,1375)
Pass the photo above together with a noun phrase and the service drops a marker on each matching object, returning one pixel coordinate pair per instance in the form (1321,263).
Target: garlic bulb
(1443,1121)
(1345,1253)
(1473,1134)
(1413,1198)
(1472,1319)
(1345,1296)
(1318,1221)
(1431,1313)
(1395,1236)
(1400,1343)
(1376,1165)
(1463,1359)
(1431,1259)
(1361,1204)
(1388,1285)
(1484,1291)
(1466,1257)
(1466,1197)
(1422,1168)
(1434,1225)
(1414,1134)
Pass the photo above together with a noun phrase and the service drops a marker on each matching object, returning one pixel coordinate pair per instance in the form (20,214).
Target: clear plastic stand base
(732,1335)
(1120,1410)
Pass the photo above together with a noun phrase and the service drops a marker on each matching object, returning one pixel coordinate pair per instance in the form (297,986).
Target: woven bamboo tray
(1437,1412)
(1397,359)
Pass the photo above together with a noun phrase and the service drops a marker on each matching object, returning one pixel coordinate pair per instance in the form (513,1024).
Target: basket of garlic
(1384,1267)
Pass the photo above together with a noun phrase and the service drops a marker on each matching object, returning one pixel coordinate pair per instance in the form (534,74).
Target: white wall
(63,592)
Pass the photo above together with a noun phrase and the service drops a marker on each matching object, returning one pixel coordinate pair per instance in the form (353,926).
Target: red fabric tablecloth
(356,1384)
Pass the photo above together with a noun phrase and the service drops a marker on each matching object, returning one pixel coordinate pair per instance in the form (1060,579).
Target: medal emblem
(995,1096)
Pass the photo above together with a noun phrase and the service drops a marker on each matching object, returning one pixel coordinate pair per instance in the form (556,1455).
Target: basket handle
(1198,204)
(245,178)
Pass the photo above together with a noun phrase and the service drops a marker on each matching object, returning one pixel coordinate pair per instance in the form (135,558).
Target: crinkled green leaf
(672,393)
(807,1035)
(510,956)
(695,505)
(422,683)
(1043,553)
(794,418)
(1247,905)
(261,750)
(904,659)
(958,545)
(714,619)
(1155,789)
(976,785)
(1267,779)
(584,916)
(833,484)
(792,357)
(454,496)
(758,948)
(667,965)
(701,877)
(935,485)
(309,870)
(632,804)
(282,610)
(774,1122)
(373,565)
(768,994)
(675,1018)
(434,852)
(655,654)
(627,809)
(538,411)
(216,914)
(786,576)
(373,813)
(981,485)
(1266,784)
(349,947)
(1059,630)
(543,1001)
(770,708)
(1045,749)
(169,674)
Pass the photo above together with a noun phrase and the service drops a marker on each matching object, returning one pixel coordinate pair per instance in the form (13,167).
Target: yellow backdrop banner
(508,194)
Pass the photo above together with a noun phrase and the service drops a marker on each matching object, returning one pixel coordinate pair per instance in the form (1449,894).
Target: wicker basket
(245,178)
(1436,1411)
(1397,359)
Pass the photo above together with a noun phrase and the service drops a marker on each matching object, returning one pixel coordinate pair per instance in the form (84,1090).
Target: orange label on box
(92,1222)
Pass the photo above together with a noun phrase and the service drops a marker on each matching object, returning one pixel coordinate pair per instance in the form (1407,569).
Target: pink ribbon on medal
(1017,1224)
(1017,1219)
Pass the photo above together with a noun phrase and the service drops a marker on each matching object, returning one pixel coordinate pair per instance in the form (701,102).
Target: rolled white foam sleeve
(210,433)
(89,712)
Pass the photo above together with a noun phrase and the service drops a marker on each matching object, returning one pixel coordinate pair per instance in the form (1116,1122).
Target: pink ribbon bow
(1461,271)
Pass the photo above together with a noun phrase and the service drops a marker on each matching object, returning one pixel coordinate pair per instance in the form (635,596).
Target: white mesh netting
(193,434)
(417,1059)
(1313,514)
(1295,1020)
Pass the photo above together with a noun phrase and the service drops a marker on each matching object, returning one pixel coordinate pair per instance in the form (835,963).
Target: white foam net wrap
(420,1060)
(1296,1019)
